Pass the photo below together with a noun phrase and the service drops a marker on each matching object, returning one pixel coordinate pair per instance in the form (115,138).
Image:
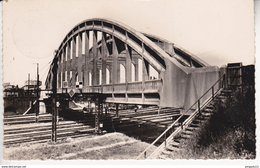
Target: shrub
(230,132)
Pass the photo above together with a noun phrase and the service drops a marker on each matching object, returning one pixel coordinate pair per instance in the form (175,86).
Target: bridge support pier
(64,104)
(54,119)
(98,100)
(106,108)
(31,104)
(117,110)
(97,114)
(89,105)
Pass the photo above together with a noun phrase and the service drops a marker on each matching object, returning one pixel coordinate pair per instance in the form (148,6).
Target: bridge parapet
(134,87)
(108,88)
(153,85)
(120,88)
(88,89)
(131,93)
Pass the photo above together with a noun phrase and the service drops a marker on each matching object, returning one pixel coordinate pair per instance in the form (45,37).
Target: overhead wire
(45,70)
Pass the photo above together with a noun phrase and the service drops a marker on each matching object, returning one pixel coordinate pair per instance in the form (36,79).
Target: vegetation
(108,146)
(230,132)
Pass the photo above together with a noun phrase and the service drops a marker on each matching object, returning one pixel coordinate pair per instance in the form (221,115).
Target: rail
(200,106)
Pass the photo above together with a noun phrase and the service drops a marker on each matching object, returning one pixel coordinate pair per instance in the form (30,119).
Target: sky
(217,31)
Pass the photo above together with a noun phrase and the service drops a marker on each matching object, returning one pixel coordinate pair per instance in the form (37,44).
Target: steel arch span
(102,56)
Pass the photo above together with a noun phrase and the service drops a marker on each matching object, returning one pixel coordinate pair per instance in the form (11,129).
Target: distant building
(11,90)
(17,100)
(28,90)
(6,85)
(31,84)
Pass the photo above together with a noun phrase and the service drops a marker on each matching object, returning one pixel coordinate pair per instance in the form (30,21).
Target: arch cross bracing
(107,57)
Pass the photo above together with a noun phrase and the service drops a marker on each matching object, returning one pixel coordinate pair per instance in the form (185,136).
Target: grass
(229,134)
(128,151)
(109,146)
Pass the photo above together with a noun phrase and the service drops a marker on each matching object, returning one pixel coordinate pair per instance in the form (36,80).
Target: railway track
(148,116)
(144,124)
(23,129)
(129,119)
(26,119)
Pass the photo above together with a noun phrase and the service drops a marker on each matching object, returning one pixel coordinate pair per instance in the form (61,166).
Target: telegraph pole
(54,101)
(30,92)
(37,95)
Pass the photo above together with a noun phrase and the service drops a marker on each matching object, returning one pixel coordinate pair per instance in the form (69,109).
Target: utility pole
(37,95)
(54,101)
(29,92)
(28,81)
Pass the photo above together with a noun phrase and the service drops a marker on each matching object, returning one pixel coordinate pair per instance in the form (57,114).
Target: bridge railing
(92,89)
(118,87)
(198,105)
(153,85)
(135,86)
(88,89)
(132,86)
(107,88)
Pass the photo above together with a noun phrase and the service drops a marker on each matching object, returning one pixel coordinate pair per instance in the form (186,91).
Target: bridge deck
(146,93)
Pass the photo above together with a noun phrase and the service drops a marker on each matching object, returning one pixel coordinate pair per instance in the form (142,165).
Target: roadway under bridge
(105,59)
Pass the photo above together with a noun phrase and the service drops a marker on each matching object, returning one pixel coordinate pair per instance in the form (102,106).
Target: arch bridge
(105,57)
